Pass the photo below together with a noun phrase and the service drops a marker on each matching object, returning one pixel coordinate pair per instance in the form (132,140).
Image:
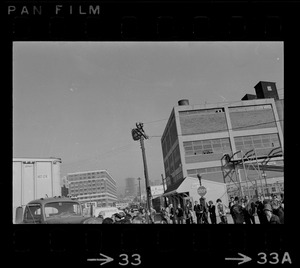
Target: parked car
(54,210)
(105,212)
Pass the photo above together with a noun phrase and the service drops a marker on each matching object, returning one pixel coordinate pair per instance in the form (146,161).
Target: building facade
(93,186)
(197,137)
(130,187)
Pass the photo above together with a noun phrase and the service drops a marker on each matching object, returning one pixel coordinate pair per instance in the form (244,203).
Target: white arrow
(243,259)
(106,259)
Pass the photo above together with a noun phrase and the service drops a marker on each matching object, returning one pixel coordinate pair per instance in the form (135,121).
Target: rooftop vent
(249,97)
(183,102)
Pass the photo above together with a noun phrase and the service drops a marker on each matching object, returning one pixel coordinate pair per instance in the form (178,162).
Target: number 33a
(125,261)
(274,258)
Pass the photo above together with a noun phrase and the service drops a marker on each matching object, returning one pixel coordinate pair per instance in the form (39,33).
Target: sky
(78,101)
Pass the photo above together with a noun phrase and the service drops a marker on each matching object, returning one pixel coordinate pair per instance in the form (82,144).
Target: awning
(173,188)
(187,184)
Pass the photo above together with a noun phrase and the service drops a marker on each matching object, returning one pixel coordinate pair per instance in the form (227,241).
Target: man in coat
(197,211)
(272,218)
(237,212)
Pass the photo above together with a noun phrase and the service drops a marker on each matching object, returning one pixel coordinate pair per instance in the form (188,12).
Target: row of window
(111,189)
(257,142)
(177,177)
(202,111)
(86,185)
(87,190)
(79,178)
(207,146)
(170,137)
(173,161)
(87,174)
(194,172)
(87,181)
(250,108)
(91,197)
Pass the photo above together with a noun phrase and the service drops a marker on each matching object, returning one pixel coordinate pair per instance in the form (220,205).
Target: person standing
(222,211)
(212,212)
(249,211)
(271,218)
(189,217)
(167,214)
(163,214)
(277,209)
(179,214)
(203,211)
(197,211)
(231,202)
(172,214)
(237,212)
(143,215)
(260,210)
(282,200)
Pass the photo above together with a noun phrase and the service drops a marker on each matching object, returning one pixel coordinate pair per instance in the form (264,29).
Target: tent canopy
(187,184)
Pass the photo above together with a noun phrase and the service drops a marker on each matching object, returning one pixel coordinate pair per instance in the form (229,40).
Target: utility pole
(139,134)
(148,190)
(139,179)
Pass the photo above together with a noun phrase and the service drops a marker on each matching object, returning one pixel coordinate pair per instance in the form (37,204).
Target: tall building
(197,137)
(93,186)
(130,187)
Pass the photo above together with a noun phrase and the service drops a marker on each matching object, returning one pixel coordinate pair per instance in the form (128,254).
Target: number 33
(274,256)
(136,257)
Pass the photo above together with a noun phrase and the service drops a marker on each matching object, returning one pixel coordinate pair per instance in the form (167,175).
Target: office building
(130,187)
(93,186)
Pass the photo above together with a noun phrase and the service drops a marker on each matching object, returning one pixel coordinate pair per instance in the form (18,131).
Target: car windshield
(60,209)
(32,213)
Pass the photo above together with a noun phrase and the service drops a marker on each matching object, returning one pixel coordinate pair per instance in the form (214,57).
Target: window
(189,148)
(269,88)
(32,213)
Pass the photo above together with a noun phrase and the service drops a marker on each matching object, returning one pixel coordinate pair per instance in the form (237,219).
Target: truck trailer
(35,178)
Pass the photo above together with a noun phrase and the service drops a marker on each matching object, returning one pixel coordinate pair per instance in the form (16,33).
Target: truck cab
(55,210)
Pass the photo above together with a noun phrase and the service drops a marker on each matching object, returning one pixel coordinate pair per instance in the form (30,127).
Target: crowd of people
(241,210)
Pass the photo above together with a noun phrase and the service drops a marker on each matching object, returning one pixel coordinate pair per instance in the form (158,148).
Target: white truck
(35,178)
